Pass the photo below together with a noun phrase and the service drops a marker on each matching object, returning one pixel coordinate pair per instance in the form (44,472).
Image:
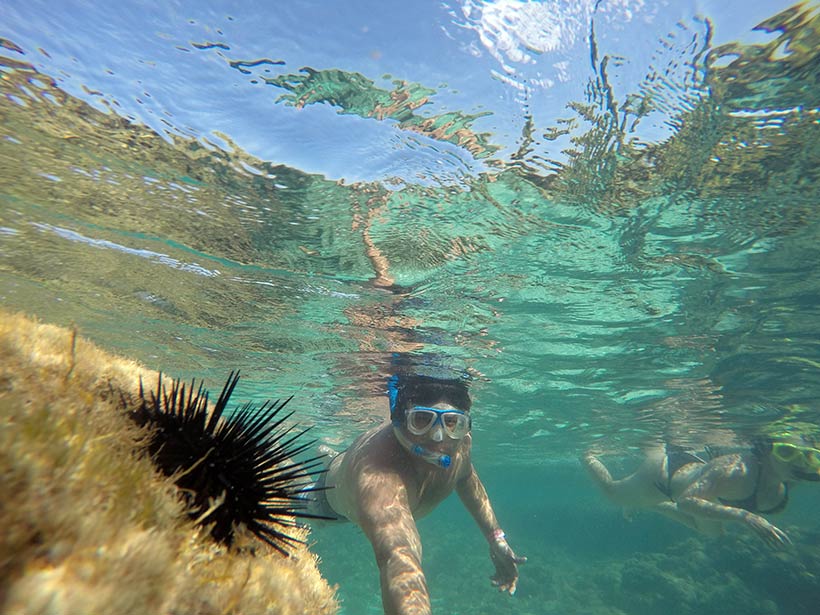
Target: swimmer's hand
(628,514)
(506,563)
(770,534)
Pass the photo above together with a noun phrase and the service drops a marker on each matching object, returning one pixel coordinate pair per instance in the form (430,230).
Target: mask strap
(392,391)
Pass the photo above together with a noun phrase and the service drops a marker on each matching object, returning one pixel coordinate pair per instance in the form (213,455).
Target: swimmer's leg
(324,449)
(317,506)
(634,491)
(599,473)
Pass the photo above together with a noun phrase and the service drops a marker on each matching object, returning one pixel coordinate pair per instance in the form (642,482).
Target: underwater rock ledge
(89,525)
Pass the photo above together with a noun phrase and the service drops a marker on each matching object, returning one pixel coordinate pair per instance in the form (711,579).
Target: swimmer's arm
(475,499)
(386,520)
(671,510)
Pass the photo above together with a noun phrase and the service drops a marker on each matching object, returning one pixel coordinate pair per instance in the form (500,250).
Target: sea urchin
(234,469)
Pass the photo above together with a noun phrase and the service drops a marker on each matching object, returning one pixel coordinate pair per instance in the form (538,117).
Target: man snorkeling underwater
(704,494)
(400,471)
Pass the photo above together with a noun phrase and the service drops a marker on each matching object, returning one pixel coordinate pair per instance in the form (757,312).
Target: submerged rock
(89,525)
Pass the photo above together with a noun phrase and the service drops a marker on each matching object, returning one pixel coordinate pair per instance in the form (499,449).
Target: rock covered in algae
(89,525)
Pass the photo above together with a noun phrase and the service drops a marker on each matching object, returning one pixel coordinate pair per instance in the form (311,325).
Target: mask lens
(456,424)
(784,452)
(420,420)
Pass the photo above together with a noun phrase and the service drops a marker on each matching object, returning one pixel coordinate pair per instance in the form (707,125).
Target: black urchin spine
(235,469)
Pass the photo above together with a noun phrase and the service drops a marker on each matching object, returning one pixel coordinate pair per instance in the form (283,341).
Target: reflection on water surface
(593,281)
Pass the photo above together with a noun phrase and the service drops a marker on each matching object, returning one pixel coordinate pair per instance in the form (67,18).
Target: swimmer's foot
(324,449)
(628,514)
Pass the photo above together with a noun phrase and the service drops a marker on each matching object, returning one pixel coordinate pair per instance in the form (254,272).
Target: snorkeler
(400,471)
(703,494)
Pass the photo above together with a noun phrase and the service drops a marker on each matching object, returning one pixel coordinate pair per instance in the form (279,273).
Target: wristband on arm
(498,535)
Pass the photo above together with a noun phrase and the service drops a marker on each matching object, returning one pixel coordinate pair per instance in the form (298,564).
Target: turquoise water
(605,213)
(584,557)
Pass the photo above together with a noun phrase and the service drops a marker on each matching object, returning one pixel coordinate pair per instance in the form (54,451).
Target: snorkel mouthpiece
(808,468)
(436,459)
(443,461)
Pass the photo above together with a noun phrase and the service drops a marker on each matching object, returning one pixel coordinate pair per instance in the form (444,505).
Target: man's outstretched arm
(389,525)
(475,499)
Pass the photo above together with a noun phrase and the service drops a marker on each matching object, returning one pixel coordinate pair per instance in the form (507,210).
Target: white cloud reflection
(516,32)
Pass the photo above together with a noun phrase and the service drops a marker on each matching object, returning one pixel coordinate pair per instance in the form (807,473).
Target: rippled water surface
(605,213)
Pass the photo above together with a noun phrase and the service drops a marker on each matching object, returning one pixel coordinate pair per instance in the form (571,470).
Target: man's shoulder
(377,449)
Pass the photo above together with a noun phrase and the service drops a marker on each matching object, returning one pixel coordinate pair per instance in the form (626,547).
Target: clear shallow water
(585,557)
(607,216)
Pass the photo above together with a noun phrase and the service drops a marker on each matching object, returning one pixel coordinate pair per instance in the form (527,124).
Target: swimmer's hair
(762,446)
(415,390)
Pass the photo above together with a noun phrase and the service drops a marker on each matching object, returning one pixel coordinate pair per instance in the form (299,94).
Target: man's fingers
(505,587)
(508,585)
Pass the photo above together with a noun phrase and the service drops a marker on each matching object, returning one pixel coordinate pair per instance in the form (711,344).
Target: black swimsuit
(751,504)
(676,458)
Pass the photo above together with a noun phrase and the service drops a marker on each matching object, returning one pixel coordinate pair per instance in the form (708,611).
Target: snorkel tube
(436,459)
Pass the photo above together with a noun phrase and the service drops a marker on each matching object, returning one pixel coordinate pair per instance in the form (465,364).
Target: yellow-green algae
(89,526)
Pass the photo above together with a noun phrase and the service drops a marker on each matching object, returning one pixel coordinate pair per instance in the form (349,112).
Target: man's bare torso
(376,459)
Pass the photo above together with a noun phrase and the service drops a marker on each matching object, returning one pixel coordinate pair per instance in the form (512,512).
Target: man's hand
(506,563)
